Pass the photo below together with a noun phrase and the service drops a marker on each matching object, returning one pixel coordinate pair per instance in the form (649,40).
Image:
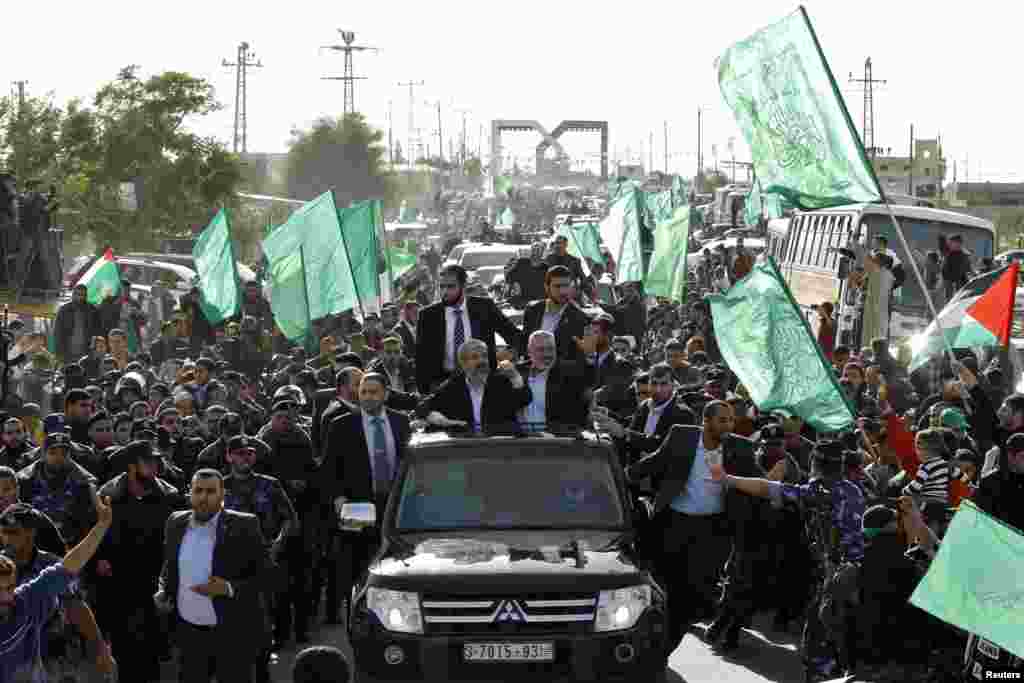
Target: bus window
(922,236)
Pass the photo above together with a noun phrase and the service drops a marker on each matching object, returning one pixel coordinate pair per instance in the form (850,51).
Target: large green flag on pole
(315,228)
(802,141)
(584,242)
(666,273)
(289,297)
(214,256)
(620,231)
(975,580)
(359,232)
(765,340)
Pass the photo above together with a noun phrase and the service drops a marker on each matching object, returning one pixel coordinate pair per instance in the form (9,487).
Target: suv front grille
(522,614)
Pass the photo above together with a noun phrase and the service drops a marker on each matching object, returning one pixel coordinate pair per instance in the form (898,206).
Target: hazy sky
(635,64)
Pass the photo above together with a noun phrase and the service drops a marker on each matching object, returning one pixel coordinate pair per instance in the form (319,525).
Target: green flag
(407,214)
(214,256)
(765,340)
(802,141)
(666,274)
(289,299)
(620,231)
(359,231)
(402,259)
(584,242)
(315,227)
(502,185)
(975,580)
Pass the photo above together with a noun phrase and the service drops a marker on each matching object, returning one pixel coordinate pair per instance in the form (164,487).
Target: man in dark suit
(558,389)
(652,420)
(213,581)
(558,315)
(697,516)
(406,328)
(444,326)
(364,451)
(480,399)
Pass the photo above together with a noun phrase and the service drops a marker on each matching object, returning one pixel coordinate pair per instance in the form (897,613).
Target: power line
(242,65)
(348,37)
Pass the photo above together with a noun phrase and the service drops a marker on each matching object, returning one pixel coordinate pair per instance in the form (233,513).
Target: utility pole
(19,158)
(440,137)
(412,107)
(700,157)
(911,184)
(242,65)
(348,37)
(666,148)
(868,131)
(391,146)
(650,153)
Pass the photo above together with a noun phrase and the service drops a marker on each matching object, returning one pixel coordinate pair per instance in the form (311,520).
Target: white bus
(804,247)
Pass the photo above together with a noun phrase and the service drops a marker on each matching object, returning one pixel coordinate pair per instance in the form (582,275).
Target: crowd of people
(197,477)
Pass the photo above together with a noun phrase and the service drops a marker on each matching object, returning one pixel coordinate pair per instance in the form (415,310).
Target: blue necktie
(381,463)
(460,331)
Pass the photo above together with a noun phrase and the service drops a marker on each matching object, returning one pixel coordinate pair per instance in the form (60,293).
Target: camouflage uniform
(837,543)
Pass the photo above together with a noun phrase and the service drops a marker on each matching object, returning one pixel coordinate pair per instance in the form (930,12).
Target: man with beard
(374,442)
(101,441)
(444,326)
(395,366)
(602,360)
(263,496)
(16,444)
(128,562)
(526,277)
(406,328)
(557,389)
(78,408)
(213,581)
(478,399)
(559,315)
(59,487)
(25,609)
(215,455)
(75,326)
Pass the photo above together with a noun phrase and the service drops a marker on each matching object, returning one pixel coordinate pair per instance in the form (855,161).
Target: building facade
(921,176)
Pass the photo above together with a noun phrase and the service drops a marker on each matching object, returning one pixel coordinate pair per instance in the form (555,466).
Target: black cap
(285,404)
(131,453)
(207,363)
(1015,443)
(349,358)
(955,238)
(22,515)
(831,452)
(878,517)
(239,442)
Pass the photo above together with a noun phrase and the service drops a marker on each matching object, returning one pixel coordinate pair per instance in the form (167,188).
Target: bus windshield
(922,236)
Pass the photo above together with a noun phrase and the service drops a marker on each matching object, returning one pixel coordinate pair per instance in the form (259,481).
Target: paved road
(763,655)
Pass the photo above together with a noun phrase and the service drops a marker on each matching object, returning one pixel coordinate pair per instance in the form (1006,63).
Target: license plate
(508,652)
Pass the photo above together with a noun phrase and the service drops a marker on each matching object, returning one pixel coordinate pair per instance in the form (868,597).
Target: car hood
(469,562)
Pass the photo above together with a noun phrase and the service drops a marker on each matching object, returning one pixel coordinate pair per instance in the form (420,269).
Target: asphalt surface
(763,655)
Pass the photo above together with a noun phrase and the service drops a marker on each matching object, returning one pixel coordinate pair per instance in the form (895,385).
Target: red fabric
(901,441)
(958,490)
(827,340)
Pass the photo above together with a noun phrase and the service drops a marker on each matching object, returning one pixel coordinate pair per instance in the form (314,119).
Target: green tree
(344,154)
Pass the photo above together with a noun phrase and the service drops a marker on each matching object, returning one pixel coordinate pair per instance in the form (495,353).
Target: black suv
(508,557)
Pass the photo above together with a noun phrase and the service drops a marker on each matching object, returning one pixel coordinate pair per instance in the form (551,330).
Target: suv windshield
(480,259)
(512,486)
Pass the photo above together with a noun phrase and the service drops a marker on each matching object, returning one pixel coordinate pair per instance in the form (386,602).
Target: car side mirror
(356,516)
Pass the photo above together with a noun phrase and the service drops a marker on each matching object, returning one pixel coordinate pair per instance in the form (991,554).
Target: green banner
(315,228)
(584,242)
(214,256)
(620,232)
(359,231)
(765,340)
(975,580)
(666,274)
(289,300)
(802,141)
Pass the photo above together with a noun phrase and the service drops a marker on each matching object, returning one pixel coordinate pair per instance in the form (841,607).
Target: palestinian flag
(980,314)
(103,279)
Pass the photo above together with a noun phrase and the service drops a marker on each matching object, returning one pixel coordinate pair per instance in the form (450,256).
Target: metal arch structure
(578,125)
(549,139)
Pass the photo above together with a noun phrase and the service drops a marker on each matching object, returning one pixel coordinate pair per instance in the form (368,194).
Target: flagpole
(305,295)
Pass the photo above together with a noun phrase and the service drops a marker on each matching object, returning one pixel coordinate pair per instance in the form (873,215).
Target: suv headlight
(397,610)
(621,609)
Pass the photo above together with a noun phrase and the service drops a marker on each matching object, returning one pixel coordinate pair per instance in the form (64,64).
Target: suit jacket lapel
(218,555)
(474,320)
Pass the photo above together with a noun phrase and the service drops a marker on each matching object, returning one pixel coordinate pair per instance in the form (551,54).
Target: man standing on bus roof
(956,266)
(882,245)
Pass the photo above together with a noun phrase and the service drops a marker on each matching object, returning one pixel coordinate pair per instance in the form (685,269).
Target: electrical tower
(410,154)
(242,65)
(869,107)
(348,37)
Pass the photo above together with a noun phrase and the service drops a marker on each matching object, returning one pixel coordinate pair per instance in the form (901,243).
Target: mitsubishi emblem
(510,613)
